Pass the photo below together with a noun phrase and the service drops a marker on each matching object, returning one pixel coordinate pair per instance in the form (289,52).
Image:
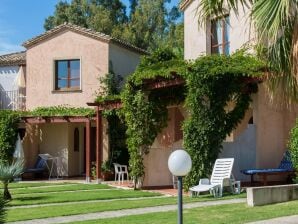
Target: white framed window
(67,75)
(220,35)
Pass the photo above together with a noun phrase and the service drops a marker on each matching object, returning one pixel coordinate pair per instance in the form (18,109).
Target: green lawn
(33,184)
(233,213)
(44,193)
(55,188)
(18,214)
(32,194)
(32,199)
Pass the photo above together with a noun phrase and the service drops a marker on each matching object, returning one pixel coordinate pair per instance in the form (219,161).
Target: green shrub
(8,173)
(293,147)
(8,134)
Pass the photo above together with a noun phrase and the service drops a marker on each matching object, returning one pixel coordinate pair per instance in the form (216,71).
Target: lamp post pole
(179,164)
(180,213)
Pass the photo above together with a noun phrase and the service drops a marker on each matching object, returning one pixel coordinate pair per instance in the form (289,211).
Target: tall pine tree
(100,15)
(149,25)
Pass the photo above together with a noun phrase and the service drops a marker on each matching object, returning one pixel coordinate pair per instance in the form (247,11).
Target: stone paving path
(126,212)
(281,220)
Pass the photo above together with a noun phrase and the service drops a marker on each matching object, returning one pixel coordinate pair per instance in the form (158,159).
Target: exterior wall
(8,75)
(196,42)
(31,145)
(96,59)
(40,69)
(156,162)
(122,61)
(273,126)
(54,140)
(263,144)
(49,138)
(58,140)
(243,150)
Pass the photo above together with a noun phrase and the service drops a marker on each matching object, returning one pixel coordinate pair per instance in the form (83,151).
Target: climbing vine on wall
(212,82)
(8,134)
(145,112)
(110,91)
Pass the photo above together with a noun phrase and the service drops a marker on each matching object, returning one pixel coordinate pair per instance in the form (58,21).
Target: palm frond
(217,8)
(271,17)
(276,24)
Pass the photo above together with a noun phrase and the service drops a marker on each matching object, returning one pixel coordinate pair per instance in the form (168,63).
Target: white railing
(13,100)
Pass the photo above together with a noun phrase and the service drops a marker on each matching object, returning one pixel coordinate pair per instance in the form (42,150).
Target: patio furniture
(54,165)
(220,178)
(39,168)
(120,171)
(285,168)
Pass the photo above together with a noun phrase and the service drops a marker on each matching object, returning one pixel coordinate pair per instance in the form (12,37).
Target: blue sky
(21,20)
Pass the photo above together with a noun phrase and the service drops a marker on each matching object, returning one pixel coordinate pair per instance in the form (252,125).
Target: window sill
(67,91)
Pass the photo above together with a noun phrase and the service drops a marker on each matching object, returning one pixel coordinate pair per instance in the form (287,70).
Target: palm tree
(276,24)
(8,173)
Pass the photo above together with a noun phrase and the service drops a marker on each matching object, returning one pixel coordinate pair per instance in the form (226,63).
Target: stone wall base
(271,194)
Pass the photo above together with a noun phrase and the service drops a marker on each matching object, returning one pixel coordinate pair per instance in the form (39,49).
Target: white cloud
(6,47)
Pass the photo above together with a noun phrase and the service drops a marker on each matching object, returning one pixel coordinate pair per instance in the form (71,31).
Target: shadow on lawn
(29,198)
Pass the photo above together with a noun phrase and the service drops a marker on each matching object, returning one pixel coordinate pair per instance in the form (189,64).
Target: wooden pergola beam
(88,149)
(55,119)
(160,83)
(99,144)
(148,84)
(107,105)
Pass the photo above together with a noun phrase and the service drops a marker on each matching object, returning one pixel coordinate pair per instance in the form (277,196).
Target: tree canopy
(148,25)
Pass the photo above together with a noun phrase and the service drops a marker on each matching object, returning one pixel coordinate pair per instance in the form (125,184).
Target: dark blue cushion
(40,163)
(286,162)
(256,171)
(39,166)
(284,166)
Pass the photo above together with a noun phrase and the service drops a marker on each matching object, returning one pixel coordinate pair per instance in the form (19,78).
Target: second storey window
(67,74)
(220,36)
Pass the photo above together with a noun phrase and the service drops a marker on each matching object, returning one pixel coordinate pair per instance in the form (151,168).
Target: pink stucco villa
(62,67)
(260,139)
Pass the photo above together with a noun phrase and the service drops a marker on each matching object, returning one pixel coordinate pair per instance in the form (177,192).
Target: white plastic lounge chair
(120,171)
(221,177)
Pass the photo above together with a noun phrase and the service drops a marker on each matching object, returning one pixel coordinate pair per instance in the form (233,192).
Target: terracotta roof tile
(84,31)
(17,58)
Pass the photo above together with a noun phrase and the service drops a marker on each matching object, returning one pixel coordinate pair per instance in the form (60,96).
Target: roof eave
(82,31)
(22,63)
(129,47)
(36,40)
(183,5)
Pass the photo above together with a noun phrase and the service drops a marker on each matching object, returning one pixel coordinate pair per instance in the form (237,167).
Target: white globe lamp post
(179,164)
